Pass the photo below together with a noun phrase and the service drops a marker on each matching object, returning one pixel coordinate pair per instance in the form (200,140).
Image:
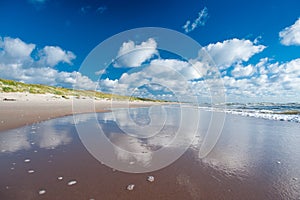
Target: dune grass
(14,86)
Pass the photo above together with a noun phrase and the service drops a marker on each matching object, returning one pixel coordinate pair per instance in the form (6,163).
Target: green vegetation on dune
(14,86)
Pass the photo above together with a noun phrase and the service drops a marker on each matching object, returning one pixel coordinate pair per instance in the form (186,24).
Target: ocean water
(271,111)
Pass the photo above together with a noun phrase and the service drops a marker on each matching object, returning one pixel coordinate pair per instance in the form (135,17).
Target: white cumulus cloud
(107,84)
(266,81)
(15,50)
(291,35)
(243,71)
(52,55)
(133,55)
(17,63)
(232,51)
(165,66)
(160,75)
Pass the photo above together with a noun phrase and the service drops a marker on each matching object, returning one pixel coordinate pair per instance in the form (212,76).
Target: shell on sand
(130,187)
(73,182)
(42,192)
(150,178)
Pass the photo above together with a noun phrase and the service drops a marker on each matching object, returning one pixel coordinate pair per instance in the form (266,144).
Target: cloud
(15,50)
(107,84)
(52,55)
(47,76)
(232,51)
(241,71)
(17,63)
(291,35)
(165,72)
(279,82)
(159,78)
(199,21)
(165,66)
(133,55)
(243,82)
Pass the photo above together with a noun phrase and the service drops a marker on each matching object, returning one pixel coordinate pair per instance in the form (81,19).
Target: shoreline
(21,109)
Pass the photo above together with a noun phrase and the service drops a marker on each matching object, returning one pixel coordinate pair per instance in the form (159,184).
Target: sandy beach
(46,159)
(19,109)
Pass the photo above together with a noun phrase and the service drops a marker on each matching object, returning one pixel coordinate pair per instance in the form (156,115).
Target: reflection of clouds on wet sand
(12,141)
(53,133)
(50,138)
(175,132)
(159,125)
(79,118)
(131,150)
(142,122)
(45,135)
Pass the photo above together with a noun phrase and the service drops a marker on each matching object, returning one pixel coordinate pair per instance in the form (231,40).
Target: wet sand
(253,159)
(20,109)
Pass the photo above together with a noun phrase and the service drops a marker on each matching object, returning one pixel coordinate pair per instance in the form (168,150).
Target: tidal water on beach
(65,158)
(272,111)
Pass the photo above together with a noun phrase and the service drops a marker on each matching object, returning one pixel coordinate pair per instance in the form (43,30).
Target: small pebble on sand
(150,178)
(73,182)
(130,187)
(42,192)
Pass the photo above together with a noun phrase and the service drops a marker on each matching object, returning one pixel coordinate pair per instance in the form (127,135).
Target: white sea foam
(278,112)
(266,115)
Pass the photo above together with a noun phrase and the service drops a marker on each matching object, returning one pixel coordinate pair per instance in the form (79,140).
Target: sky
(253,45)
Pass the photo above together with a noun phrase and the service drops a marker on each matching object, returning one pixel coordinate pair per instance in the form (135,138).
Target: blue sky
(255,45)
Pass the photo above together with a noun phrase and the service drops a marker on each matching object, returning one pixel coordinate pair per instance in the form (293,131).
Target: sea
(270,111)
